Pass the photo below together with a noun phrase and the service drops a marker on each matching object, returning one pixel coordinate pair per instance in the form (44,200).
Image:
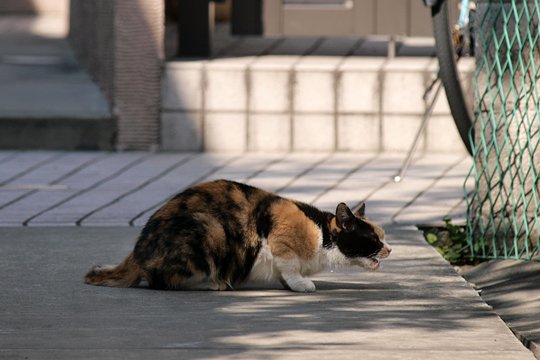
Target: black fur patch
(362,242)
(263,217)
(246,189)
(321,218)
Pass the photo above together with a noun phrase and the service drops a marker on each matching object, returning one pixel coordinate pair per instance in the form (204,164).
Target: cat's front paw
(303,285)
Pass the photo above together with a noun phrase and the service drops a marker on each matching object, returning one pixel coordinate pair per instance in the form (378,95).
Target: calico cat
(220,234)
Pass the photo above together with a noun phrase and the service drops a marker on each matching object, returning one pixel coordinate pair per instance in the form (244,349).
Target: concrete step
(47,101)
(289,102)
(58,7)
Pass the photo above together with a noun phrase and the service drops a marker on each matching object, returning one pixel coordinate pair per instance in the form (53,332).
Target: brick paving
(46,188)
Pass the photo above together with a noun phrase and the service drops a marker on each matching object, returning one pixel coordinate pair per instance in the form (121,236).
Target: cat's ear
(345,218)
(361,210)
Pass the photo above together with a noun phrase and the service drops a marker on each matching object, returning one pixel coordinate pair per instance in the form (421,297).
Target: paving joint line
(264,168)
(316,44)
(345,177)
(54,182)
(302,173)
(381,186)
(271,47)
(89,188)
(137,188)
(198,180)
(230,47)
(420,193)
(32,168)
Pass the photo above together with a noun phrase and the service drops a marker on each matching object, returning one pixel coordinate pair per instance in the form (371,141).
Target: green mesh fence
(503,220)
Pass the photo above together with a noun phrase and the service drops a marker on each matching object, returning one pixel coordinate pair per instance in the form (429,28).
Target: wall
(359,18)
(120,42)
(312,103)
(91,36)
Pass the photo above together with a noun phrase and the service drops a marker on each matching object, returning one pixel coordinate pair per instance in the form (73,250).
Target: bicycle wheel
(448,73)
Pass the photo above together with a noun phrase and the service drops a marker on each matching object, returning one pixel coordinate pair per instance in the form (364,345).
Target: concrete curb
(511,287)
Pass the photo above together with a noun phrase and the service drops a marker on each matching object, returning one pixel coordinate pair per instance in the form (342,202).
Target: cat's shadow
(321,285)
(339,285)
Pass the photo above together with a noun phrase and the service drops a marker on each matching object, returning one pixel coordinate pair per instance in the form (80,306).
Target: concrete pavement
(513,289)
(416,306)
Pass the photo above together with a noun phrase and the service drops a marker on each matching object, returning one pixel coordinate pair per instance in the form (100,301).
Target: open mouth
(368,263)
(374,264)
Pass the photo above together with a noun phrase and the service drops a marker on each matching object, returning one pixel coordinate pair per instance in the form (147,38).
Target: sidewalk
(415,307)
(513,289)
(97,188)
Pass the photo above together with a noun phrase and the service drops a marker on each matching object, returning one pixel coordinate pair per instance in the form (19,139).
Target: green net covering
(503,219)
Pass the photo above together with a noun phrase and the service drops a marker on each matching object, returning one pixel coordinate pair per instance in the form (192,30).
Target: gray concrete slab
(122,210)
(326,176)
(59,207)
(281,174)
(512,288)
(442,199)
(391,198)
(89,189)
(363,182)
(415,307)
(18,164)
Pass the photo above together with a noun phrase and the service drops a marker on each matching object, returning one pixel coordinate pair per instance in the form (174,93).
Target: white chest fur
(265,269)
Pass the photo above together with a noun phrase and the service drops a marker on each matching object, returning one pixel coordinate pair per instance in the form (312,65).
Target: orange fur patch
(292,234)
(376,228)
(126,274)
(334,228)
(216,238)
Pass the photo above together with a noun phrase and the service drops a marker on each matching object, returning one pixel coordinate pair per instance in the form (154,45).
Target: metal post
(195,27)
(247,17)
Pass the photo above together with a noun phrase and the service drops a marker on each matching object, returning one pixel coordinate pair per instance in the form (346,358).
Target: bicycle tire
(449,75)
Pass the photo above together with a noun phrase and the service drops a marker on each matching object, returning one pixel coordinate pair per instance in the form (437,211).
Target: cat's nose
(386,250)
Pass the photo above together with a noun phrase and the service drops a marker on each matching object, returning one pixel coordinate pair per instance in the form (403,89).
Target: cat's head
(358,239)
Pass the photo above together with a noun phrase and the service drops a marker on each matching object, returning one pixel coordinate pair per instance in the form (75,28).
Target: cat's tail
(127,274)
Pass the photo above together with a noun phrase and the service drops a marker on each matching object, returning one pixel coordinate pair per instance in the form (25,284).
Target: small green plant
(450,241)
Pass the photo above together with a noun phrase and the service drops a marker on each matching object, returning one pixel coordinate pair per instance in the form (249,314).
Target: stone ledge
(58,133)
(290,89)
